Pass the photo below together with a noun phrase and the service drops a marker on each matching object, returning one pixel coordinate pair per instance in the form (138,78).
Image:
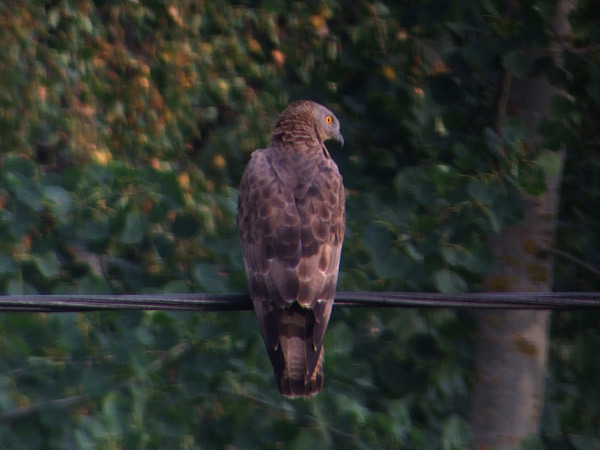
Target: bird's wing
(320,205)
(291,236)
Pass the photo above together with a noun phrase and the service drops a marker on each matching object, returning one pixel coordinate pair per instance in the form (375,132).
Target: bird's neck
(294,150)
(294,131)
(299,139)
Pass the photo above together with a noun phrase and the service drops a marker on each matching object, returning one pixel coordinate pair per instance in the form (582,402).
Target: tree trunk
(512,345)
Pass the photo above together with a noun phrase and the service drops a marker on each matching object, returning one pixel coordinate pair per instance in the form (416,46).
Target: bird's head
(326,124)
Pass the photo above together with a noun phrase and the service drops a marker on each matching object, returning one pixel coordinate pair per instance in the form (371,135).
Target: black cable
(479,300)
(165,302)
(241,302)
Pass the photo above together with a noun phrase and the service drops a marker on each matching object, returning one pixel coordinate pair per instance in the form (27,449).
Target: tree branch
(172,354)
(587,49)
(569,257)
(503,101)
(314,420)
(22,413)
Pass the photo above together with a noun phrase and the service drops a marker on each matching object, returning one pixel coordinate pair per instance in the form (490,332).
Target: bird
(291,221)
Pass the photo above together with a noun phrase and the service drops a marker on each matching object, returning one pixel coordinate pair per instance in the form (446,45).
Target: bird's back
(291,221)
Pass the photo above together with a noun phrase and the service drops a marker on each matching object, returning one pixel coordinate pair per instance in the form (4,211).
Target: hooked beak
(338,137)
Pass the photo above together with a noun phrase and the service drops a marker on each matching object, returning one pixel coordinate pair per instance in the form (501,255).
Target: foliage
(571,411)
(124,129)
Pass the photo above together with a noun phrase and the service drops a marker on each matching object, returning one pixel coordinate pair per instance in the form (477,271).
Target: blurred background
(124,130)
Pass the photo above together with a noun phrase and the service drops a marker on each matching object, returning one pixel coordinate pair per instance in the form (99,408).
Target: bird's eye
(328,119)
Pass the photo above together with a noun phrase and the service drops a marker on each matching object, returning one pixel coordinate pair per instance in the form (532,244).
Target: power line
(479,300)
(242,302)
(165,302)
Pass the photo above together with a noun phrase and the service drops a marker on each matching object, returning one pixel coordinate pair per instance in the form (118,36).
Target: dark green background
(124,130)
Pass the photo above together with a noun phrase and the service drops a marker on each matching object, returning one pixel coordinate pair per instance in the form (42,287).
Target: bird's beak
(338,137)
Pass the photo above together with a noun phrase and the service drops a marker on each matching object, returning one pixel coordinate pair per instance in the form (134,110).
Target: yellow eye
(328,119)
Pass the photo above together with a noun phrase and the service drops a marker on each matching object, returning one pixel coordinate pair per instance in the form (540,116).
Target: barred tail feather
(293,387)
(302,374)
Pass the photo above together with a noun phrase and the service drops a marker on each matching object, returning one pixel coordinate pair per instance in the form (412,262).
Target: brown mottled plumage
(291,221)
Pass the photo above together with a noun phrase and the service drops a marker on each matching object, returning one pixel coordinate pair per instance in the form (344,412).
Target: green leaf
(340,335)
(412,252)
(398,376)
(557,135)
(47,264)
(454,255)
(111,412)
(475,257)
(40,363)
(175,287)
(593,90)
(456,434)
(304,440)
(463,157)
(514,130)
(449,282)
(96,229)
(209,277)
(531,178)
(53,17)
(550,162)
(91,284)
(563,108)
(21,166)
(580,442)
(483,192)
(414,181)
(135,228)
(7,264)
(493,140)
(19,287)
(401,422)
(59,200)
(387,261)
(186,226)
(171,189)
(28,193)
(83,440)
(532,442)
(164,244)
(492,9)
(518,63)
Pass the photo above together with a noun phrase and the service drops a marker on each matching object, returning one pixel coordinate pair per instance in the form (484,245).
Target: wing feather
(291,228)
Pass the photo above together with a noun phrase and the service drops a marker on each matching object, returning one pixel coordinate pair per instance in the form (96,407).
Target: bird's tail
(302,374)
